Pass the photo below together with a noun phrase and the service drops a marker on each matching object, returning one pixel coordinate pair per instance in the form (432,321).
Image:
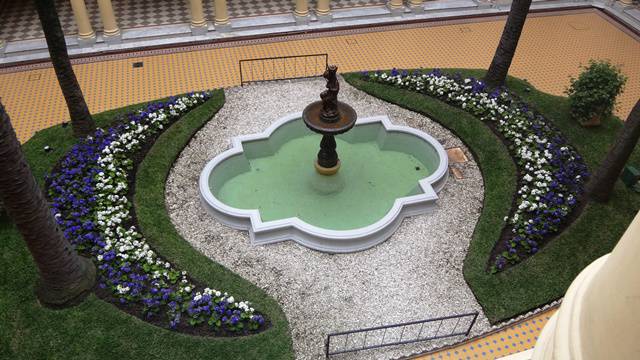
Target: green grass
(160,233)
(96,329)
(545,276)
(61,139)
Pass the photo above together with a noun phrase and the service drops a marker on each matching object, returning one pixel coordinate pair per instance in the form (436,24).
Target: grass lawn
(96,329)
(545,276)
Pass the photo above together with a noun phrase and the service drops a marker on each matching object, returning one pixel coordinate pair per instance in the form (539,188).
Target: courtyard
(178,280)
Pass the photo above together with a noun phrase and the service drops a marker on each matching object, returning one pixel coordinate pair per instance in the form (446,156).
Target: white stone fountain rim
(327,240)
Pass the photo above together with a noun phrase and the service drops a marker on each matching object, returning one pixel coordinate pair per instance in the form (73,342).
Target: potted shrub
(592,96)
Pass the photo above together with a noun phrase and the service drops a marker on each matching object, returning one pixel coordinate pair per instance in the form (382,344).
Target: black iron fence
(399,334)
(282,67)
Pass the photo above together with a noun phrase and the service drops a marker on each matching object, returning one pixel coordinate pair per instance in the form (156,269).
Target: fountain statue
(329,117)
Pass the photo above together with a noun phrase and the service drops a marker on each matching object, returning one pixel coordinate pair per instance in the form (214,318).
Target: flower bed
(551,173)
(90,199)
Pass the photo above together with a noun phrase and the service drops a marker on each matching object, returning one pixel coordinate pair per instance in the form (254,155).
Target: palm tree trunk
(499,68)
(602,182)
(65,277)
(81,120)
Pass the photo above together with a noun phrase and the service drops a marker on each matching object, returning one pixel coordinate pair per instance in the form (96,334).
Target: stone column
(416,6)
(396,7)
(110,31)
(86,35)
(221,22)
(3,47)
(600,315)
(301,12)
(323,11)
(198,22)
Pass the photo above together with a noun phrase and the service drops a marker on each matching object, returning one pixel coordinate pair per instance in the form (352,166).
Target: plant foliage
(593,94)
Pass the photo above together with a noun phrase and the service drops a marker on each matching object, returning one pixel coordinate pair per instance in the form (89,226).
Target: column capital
(599,317)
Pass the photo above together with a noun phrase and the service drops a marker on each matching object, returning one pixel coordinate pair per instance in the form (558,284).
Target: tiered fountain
(329,117)
(264,183)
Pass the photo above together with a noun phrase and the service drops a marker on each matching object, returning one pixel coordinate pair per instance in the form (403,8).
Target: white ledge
(314,237)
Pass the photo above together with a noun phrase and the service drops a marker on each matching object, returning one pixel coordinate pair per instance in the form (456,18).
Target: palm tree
(65,277)
(602,182)
(508,43)
(81,120)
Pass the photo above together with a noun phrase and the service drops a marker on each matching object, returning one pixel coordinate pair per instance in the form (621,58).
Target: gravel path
(416,274)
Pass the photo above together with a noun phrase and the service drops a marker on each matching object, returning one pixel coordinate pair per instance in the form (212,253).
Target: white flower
(111,208)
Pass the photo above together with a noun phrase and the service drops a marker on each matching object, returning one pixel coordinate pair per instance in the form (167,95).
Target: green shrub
(592,96)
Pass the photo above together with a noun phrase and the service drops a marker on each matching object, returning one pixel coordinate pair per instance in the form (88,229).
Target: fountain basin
(266,183)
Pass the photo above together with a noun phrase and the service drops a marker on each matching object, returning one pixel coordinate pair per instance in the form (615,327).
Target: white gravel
(416,274)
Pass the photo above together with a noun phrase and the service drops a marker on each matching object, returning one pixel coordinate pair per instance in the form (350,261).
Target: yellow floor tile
(552,47)
(515,338)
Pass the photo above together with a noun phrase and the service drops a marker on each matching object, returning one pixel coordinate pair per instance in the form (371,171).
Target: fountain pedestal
(328,162)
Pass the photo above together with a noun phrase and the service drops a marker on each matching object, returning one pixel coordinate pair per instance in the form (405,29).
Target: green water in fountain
(277,176)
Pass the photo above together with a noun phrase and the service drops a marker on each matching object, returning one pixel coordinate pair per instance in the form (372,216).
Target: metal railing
(399,334)
(282,68)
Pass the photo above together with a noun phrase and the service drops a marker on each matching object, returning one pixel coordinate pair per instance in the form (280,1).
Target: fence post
(473,321)
(326,346)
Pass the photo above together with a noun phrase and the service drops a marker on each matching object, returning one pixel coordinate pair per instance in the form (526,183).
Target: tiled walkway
(552,48)
(19,19)
(515,338)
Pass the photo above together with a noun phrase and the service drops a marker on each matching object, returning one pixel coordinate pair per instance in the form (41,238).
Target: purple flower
(76,198)
(436,72)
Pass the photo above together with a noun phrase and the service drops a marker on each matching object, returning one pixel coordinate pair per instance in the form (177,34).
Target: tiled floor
(552,47)
(512,339)
(19,19)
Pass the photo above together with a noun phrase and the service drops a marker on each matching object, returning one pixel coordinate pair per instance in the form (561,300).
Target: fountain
(329,117)
(385,173)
